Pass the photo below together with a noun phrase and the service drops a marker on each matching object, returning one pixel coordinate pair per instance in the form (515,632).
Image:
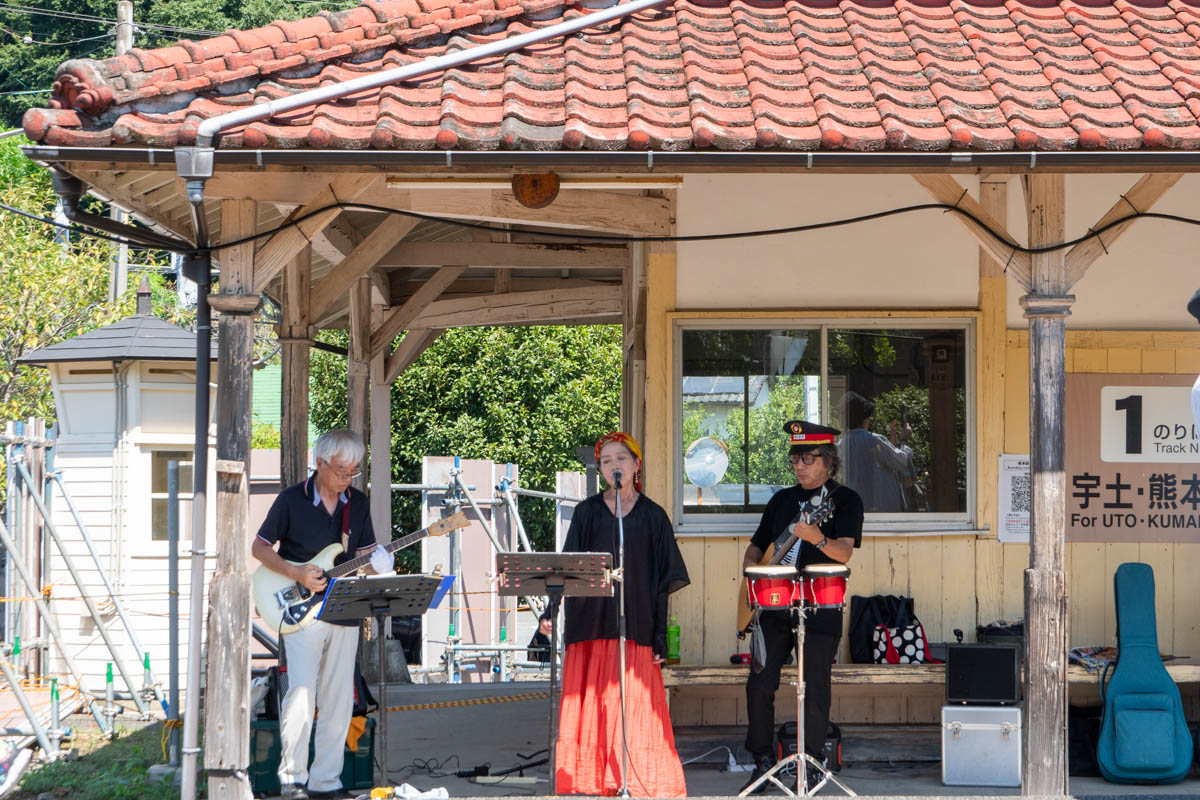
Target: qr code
(1020,493)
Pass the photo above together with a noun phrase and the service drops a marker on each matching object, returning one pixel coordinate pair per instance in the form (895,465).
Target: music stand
(360,596)
(555,575)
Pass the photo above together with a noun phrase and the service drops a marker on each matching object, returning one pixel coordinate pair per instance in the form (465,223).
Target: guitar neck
(355,564)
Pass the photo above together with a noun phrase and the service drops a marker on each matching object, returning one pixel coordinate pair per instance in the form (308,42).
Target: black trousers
(820,649)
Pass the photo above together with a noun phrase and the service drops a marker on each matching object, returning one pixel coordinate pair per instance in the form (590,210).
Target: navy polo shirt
(300,524)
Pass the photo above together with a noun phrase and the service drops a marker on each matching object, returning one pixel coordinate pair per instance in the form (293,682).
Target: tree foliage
(528,396)
(33,45)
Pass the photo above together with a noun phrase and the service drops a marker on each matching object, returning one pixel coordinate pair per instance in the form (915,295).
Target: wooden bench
(858,680)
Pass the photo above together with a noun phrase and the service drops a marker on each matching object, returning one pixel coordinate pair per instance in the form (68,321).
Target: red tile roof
(736,75)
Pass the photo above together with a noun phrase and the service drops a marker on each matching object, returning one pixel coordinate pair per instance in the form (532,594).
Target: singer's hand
(659,659)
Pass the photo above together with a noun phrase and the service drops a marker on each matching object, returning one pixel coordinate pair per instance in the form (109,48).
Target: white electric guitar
(287,606)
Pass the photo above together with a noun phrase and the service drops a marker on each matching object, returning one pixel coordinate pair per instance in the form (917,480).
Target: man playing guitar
(303,520)
(814,460)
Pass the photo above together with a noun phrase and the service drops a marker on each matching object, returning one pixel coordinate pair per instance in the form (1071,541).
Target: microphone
(616,478)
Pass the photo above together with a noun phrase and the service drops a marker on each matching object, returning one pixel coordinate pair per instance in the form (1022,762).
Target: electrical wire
(584,238)
(44,12)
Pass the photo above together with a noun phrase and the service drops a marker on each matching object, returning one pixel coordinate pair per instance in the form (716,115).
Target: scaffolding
(31,540)
(506,661)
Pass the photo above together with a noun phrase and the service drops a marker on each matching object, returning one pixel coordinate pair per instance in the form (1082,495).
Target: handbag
(866,613)
(903,645)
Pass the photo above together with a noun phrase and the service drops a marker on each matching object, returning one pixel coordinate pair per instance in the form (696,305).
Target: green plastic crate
(358,770)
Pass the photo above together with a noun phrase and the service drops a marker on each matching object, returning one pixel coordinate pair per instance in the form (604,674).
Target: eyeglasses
(808,458)
(341,473)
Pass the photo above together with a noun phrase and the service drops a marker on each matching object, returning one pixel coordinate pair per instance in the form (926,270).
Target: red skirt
(588,754)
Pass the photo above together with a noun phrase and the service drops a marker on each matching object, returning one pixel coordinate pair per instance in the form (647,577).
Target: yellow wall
(961,581)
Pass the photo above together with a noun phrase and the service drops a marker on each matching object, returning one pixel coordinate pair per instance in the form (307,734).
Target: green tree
(525,395)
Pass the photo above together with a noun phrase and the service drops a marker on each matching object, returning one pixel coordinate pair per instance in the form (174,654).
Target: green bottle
(673,642)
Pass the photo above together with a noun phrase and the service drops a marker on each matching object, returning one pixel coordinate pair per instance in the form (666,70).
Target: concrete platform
(428,744)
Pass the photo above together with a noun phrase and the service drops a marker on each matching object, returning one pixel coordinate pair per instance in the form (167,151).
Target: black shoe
(293,791)
(762,763)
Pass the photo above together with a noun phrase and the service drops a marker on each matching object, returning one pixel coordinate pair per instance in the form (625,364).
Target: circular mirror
(705,462)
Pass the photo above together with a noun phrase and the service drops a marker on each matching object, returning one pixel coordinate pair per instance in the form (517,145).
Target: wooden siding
(960,581)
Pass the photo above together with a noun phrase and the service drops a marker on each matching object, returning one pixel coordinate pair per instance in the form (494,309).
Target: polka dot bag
(903,645)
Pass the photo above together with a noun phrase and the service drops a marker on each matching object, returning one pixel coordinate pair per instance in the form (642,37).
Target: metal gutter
(649,161)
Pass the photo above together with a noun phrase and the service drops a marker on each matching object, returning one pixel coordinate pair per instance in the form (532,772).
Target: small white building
(124,397)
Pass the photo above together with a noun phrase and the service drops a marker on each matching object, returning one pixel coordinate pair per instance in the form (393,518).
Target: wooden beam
(294,343)
(281,247)
(1046,307)
(520,256)
(545,307)
(1142,197)
(946,189)
(337,241)
(402,288)
(403,316)
(381,440)
(359,261)
(415,342)
(577,209)
(358,389)
(381,290)
(227,714)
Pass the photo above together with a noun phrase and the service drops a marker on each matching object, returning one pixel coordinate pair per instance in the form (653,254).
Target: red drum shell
(825,585)
(773,592)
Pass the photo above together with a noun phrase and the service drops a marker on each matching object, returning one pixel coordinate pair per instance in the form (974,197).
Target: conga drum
(770,587)
(824,585)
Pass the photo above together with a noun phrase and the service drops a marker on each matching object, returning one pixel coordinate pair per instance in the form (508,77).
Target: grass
(105,770)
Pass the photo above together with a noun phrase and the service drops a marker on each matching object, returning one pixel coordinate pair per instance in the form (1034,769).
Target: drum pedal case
(981,745)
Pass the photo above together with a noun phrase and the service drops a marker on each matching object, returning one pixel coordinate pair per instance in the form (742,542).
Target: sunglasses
(808,458)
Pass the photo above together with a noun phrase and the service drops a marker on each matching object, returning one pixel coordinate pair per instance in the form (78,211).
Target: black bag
(890,611)
(364,701)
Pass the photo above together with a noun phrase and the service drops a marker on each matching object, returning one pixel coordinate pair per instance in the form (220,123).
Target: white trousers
(320,670)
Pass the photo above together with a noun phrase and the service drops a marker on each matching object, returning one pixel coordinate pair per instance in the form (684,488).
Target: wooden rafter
(520,256)
(523,308)
(402,317)
(365,256)
(946,189)
(1144,194)
(402,288)
(284,245)
(415,342)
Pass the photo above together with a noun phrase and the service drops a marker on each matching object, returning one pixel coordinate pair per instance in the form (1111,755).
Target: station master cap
(805,436)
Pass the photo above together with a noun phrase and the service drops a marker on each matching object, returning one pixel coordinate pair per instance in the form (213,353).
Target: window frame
(744,523)
(185,493)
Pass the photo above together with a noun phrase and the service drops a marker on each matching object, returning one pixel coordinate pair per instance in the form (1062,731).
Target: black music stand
(555,575)
(380,596)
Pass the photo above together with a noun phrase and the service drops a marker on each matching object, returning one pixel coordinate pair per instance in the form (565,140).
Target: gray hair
(340,444)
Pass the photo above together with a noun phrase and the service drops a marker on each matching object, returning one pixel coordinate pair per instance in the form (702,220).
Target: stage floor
(472,725)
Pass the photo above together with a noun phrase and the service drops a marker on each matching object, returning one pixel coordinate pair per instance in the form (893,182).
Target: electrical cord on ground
(731,765)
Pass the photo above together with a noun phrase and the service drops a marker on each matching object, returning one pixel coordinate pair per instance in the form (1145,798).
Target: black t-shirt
(303,529)
(653,569)
(845,523)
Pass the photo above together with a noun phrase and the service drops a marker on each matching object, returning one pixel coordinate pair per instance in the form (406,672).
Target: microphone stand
(624,791)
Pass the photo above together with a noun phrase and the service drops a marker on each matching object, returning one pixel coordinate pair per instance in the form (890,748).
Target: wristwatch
(821,544)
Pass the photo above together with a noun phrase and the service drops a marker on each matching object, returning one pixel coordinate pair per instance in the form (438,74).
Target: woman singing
(588,755)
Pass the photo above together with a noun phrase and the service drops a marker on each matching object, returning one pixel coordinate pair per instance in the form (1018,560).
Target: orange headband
(634,447)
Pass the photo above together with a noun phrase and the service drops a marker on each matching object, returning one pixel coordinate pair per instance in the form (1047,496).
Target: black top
(303,530)
(846,523)
(653,569)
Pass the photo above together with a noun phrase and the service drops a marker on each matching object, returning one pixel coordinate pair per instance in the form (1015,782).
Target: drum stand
(800,760)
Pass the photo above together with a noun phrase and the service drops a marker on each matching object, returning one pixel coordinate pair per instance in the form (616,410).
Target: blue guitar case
(1144,737)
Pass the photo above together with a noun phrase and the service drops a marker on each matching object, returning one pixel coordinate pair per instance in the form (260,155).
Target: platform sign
(1132,459)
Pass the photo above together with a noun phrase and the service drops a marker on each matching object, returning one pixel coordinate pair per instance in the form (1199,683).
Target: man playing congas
(815,461)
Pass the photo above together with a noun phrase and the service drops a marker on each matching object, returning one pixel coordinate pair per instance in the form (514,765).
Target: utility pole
(120,273)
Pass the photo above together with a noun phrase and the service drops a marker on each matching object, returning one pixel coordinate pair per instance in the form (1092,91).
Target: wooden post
(227,711)
(989,428)
(1046,308)
(295,339)
(381,440)
(633,344)
(660,301)
(358,364)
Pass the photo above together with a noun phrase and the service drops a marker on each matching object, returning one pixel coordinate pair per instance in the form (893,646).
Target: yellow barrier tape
(512,698)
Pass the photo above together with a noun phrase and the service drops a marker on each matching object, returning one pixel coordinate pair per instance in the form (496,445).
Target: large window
(897,393)
(159,496)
